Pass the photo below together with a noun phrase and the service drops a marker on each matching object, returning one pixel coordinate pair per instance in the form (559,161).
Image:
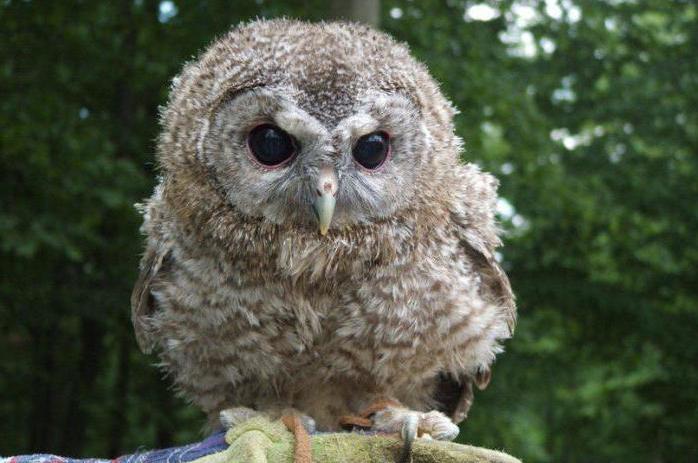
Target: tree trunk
(364,11)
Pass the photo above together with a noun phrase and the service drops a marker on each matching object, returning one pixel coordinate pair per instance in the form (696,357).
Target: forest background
(587,111)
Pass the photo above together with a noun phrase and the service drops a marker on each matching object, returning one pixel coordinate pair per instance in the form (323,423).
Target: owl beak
(325,200)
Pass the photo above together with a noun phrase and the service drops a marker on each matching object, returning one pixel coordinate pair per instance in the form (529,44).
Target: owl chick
(313,242)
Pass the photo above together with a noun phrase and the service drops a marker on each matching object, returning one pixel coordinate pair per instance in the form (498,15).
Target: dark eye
(371,150)
(270,145)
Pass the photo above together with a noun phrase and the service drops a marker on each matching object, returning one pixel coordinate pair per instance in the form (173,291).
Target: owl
(314,243)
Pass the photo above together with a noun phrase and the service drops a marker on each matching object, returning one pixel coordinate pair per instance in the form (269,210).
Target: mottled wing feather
(455,395)
(142,301)
(494,281)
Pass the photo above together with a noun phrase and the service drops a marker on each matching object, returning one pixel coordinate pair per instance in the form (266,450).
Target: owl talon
(410,423)
(408,434)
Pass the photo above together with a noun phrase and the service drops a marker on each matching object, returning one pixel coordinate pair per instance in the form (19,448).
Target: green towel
(259,440)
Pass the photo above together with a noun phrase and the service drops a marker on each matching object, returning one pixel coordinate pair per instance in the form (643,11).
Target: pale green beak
(325,201)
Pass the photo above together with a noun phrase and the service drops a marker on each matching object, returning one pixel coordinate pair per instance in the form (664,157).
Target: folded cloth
(211,445)
(259,440)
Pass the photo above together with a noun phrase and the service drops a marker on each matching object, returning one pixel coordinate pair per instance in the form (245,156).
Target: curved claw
(409,434)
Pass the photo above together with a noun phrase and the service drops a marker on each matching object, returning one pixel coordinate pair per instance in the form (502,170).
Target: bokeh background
(586,110)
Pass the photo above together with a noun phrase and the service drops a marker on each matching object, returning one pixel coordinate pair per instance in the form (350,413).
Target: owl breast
(282,322)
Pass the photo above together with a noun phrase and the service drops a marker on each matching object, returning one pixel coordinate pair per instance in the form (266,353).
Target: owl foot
(231,417)
(391,417)
(411,424)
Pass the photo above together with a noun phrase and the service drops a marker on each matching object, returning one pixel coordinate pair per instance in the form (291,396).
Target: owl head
(318,127)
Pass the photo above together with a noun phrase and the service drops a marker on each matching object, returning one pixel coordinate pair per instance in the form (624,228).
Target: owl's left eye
(372,150)
(270,145)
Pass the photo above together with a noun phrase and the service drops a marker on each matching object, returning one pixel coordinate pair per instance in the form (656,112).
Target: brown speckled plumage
(247,304)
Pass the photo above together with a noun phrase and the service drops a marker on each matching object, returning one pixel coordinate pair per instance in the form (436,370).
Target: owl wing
(495,283)
(455,395)
(142,301)
(478,240)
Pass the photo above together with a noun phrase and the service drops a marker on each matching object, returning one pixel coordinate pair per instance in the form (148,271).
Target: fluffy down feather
(247,304)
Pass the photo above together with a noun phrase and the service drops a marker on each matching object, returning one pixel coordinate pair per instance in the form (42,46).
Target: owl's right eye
(270,145)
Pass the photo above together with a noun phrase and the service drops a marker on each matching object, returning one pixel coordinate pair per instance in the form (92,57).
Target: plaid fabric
(185,454)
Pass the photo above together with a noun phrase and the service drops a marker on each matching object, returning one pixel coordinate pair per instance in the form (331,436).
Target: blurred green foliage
(586,110)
